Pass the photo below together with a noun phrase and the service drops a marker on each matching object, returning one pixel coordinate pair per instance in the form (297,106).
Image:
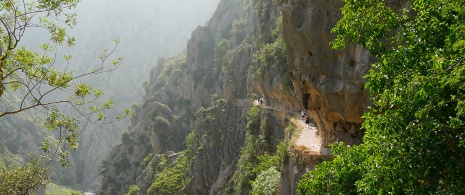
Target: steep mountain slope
(205,91)
(196,131)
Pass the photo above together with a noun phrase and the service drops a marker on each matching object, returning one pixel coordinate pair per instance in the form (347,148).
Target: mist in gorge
(146,30)
(232,97)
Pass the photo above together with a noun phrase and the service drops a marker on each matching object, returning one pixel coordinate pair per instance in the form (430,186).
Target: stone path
(308,141)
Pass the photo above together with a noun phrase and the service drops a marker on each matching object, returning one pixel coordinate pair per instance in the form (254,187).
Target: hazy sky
(148,29)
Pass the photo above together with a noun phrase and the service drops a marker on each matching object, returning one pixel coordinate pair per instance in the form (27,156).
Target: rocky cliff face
(278,50)
(206,91)
(328,82)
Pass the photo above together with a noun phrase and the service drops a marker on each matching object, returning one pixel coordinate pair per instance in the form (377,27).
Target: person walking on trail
(261,101)
(307,121)
(303,114)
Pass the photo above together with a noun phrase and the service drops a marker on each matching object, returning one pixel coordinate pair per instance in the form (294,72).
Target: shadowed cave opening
(305,99)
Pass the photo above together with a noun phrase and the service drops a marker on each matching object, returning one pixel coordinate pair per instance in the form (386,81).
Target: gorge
(275,50)
(265,97)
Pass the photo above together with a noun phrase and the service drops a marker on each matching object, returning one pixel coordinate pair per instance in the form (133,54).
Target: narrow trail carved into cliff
(308,141)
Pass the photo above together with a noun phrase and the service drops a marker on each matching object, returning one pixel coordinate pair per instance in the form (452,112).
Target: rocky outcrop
(328,82)
(247,48)
(154,130)
(220,132)
(207,90)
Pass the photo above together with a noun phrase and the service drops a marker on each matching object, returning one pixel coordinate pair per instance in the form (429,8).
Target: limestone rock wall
(218,64)
(328,82)
(246,48)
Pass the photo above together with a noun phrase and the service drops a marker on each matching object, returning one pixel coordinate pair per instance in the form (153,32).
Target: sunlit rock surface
(329,82)
(205,90)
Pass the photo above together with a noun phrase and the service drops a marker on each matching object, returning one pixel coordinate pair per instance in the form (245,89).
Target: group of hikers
(303,113)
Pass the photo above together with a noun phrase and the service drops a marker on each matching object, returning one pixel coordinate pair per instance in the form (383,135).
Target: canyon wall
(328,82)
(275,50)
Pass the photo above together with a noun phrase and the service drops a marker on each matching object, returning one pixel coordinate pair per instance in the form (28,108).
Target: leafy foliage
(272,160)
(257,156)
(36,73)
(23,180)
(271,51)
(169,66)
(133,190)
(146,160)
(266,183)
(35,78)
(248,159)
(174,178)
(161,122)
(415,130)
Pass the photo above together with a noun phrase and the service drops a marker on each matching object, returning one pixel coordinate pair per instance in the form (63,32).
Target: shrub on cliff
(267,182)
(414,141)
(175,178)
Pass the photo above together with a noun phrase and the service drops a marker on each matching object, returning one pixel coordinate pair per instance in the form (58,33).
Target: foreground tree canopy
(415,130)
(32,80)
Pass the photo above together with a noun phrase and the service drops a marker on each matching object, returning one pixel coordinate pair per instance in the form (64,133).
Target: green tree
(35,79)
(22,180)
(414,141)
(266,183)
(134,190)
(36,74)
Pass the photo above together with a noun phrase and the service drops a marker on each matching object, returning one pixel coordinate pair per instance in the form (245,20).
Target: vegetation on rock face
(249,153)
(267,182)
(270,65)
(414,141)
(133,190)
(257,158)
(175,178)
(146,160)
(215,62)
(169,66)
(271,52)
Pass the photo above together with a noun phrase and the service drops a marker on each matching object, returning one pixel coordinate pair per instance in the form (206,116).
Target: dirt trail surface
(308,140)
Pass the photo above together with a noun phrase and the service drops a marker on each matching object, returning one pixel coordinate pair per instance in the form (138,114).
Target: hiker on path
(303,114)
(307,121)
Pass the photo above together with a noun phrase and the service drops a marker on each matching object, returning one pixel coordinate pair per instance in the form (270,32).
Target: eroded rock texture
(329,82)
(205,90)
